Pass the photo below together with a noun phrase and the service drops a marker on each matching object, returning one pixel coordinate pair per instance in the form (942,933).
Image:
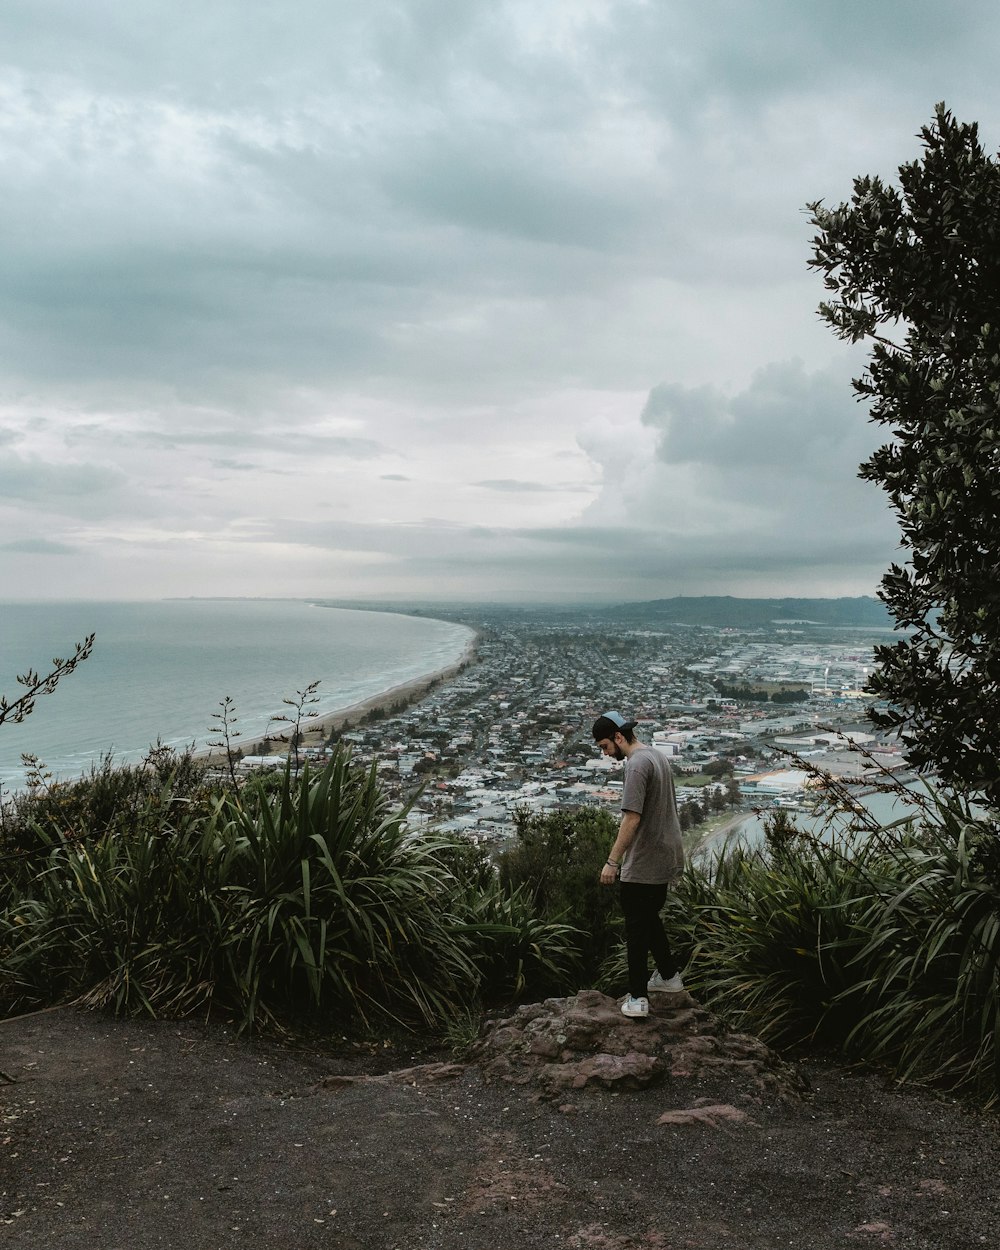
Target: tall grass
(882,944)
(771,938)
(112,798)
(520,948)
(309,897)
(928,997)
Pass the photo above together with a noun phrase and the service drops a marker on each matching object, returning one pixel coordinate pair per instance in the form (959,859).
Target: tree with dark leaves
(915,271)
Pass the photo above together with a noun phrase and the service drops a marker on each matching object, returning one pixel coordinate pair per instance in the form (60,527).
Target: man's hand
(627,828)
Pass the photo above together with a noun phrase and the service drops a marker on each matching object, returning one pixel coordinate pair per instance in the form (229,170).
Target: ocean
(160,670)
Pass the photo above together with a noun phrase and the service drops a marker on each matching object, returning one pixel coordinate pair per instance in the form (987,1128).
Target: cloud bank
(467,298)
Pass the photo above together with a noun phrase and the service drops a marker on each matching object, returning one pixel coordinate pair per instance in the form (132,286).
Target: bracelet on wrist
(614,863)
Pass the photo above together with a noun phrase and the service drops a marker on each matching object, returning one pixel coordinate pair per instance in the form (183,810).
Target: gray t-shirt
(656,855)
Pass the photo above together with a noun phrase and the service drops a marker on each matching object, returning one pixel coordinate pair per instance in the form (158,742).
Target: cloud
(328,231)
(267,272)
(786,419)
(34,481)
(510,191)
(774,465)
(512,486)
(707,493)
(38,547)
(235,466)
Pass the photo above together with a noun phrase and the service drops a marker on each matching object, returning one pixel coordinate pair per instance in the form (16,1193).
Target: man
(647,855)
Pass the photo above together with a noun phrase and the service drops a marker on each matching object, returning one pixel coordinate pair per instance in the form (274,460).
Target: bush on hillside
(309,900)
(557,858)
(880,943)
(518,953)
(111,798)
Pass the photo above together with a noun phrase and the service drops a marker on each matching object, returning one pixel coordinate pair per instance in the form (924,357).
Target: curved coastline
(407,692)
(162,663)
(316,730)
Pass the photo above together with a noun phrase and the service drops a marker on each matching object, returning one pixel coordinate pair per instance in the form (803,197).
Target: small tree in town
(915,271)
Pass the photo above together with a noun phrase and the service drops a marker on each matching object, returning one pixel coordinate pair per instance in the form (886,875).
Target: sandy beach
(406,693)
(317,729)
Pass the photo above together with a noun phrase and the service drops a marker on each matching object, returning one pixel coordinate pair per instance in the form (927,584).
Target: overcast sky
(472,299)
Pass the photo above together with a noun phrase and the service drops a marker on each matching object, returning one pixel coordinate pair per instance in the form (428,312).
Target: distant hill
(728,610)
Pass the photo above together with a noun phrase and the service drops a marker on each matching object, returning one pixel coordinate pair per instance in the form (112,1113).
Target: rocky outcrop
(565,1045)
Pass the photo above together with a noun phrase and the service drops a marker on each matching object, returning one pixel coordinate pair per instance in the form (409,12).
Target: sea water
(159,671)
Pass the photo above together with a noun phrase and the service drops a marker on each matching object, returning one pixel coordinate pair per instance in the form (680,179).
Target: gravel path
(127,1135)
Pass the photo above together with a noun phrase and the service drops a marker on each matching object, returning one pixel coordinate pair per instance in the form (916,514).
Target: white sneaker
(635,1006)
(670,985)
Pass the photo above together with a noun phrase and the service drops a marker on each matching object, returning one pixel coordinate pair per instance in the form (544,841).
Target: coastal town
(743,714)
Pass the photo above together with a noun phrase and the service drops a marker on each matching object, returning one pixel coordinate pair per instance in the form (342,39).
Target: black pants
(644,934)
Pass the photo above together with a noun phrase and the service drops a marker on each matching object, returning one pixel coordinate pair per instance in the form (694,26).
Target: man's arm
(626,833)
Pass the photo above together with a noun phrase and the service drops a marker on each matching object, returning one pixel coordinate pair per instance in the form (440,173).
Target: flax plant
(927,996)
(767,935)
(520,949)
(335,902)
(881,942)
(309,898)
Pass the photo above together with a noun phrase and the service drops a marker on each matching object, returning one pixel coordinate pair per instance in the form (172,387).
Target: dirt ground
(123,1135)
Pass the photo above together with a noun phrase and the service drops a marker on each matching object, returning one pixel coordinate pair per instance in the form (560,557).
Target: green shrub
(770,936)
(518,953)
(111,798)
(883,944)
(557,861)
(927,994)
(311,898)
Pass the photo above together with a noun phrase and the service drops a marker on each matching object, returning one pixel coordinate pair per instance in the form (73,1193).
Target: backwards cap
(610,723)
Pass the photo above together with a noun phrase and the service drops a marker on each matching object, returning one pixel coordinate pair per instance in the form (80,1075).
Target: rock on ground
(566,1044)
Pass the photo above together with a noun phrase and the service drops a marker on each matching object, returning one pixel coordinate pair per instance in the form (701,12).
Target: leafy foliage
(309,898)
(36,683)
(926,993)
(557,861)
(770,937)
(915,270)
(110,799)
(519,950)
(881,943)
